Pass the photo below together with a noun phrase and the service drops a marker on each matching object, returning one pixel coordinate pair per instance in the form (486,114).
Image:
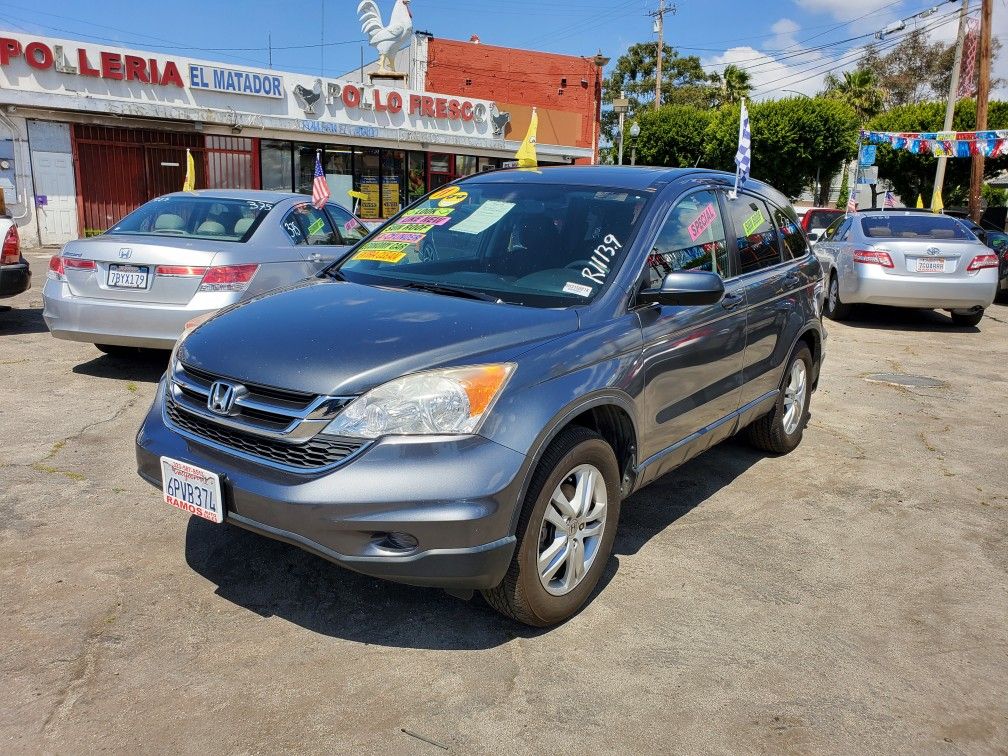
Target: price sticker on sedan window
(128,276)
(192,489)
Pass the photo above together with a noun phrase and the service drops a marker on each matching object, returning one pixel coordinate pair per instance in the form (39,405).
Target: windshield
(915,226)
(194,217)
(531,244)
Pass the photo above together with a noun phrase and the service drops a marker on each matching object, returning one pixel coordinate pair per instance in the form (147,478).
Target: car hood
(339,338)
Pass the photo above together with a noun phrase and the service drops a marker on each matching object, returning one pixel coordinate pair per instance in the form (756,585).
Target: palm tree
(735,84)
(860,89)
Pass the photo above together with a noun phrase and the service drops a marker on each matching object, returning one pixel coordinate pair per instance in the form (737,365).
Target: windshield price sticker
(485,216)
(380,255)
(386,246)
(410,228)
(426,220)
(753,222)
(449,196)
(600,259)
(702,222)
(442,212)
(400,237)
(575,288)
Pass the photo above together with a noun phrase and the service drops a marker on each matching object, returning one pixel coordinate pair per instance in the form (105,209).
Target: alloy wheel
(571,530)
(794,397)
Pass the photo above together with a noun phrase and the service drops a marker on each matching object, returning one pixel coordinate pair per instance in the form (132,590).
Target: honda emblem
(222,397)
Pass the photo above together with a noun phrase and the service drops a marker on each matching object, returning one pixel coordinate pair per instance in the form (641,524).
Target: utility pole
(953,95)
(269,46)
(659,16)
(983,94)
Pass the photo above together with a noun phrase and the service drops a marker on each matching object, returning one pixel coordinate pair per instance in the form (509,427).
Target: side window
(349,229)
(831,229)
(306,225)
(790,234)
(692,238)
(755,234)
(841,232)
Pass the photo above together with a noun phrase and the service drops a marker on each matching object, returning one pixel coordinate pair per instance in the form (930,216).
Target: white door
(54,180)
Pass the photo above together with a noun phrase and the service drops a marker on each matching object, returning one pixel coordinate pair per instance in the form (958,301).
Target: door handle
(316,257)
(731,300)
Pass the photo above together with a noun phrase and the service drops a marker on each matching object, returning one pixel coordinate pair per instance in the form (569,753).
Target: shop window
(275,162)
(417,178)
(304,156)
(488,164)
(465,165)
(369,181)
(440,170)
(337,163)
(393,181)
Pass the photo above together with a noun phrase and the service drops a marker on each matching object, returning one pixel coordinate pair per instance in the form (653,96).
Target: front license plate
(930,266)
(192,489)
(128,276)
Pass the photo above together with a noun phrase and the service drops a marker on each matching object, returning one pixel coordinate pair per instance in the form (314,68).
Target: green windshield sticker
(315,227)
(753,222)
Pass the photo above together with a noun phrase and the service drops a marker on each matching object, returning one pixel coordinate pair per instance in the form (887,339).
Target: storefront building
(90,132)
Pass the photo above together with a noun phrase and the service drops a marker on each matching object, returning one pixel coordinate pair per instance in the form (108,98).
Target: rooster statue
(388,40)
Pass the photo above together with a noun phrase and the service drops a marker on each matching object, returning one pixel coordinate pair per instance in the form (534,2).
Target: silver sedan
(186,254)
(906,259)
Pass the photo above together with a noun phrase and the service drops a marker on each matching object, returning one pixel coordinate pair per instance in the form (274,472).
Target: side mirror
(813,237)
(685,288)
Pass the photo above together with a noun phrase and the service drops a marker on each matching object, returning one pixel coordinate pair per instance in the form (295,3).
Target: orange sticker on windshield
(454,199)
(447,191)
(380,255)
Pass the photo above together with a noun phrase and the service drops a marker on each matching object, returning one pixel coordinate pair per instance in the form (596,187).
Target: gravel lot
(849,597)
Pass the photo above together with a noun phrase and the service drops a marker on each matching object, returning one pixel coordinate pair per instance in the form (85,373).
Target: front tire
(565,532)
(780,431)
(833,308)
(968,318)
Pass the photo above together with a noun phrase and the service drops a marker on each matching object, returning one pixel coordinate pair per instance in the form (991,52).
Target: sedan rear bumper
(122,323)
(454,496)
(871,285)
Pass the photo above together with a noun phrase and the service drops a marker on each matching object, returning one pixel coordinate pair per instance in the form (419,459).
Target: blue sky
(786,44)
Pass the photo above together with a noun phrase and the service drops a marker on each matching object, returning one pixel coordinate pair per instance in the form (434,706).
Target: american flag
(743,158)
(890,200)
(320,189)
(852,203)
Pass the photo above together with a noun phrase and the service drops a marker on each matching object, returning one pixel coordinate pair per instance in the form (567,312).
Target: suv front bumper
(455,495)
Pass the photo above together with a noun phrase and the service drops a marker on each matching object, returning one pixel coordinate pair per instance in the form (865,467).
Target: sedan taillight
(982,261)
(59,265)
(11,247)
(873,257)
(228,277)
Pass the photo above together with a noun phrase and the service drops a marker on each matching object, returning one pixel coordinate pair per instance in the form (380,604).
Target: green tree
(793,140)
(912,174)
(674,136)
(844,194)
(860,90)
(733,85)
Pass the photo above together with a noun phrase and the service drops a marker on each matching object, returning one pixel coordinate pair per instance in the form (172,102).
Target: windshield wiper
(333,273)
(451,291)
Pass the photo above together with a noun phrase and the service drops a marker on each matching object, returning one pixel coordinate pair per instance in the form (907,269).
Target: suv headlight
(449,401)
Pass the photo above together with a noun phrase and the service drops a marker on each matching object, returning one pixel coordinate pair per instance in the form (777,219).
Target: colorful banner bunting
(959,144)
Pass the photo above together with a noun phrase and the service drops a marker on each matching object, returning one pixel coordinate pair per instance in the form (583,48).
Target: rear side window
(755,234)
(349,228)
(915,226)
(692,238)
(305,224)
(822,218)
(791,235)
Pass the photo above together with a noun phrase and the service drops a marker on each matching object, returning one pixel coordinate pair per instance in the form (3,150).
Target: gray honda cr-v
(465,399)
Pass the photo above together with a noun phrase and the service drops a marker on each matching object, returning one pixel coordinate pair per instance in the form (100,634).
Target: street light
(634,133)
(621,105)
(600,61)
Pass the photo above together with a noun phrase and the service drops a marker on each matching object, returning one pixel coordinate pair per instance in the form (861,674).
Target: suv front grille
(316,453)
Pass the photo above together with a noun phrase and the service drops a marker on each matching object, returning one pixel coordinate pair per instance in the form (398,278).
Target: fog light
(395,541)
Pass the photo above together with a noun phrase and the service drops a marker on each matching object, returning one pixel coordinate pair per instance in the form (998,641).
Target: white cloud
(843,10)
(769,75)
(784,30)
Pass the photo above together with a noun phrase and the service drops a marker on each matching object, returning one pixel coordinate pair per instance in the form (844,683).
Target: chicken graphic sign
(387,39)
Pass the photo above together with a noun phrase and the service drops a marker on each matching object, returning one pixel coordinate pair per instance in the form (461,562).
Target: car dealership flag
(526,154)
(743,157)
(190,174)
(890,200)
(320,189)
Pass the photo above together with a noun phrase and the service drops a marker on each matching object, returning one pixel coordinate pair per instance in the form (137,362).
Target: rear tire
(117,350)
(833,308)
(580,540)
(780,431)
(966,319)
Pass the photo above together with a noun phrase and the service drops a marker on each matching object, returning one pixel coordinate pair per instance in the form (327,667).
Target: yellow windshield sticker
(380,255)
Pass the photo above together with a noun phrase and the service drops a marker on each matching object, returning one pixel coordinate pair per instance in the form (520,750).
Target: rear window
(195,217)
(821,218)
(915,226)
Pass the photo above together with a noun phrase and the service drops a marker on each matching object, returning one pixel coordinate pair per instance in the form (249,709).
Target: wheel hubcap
(571,530)
(794,397)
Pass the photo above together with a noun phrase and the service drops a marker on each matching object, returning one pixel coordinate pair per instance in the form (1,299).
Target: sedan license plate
(128,276)
(192,489)
(930,266)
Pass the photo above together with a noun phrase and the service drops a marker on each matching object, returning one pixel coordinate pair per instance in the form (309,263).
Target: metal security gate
(119,169)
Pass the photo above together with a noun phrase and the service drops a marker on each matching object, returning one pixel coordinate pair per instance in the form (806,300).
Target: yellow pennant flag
(937,205)
(357,195)
(527,152)
(190,174)
(920,201)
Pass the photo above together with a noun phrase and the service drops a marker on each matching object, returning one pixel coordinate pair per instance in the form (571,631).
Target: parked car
(817,219)
(15,272)
(998,241)
(903,258)
(465,400)
(182,255)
